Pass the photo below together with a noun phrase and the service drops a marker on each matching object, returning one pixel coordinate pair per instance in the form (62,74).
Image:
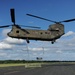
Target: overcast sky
(56,10)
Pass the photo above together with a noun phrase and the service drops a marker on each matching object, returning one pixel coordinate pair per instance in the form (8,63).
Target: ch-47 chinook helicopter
(54,32)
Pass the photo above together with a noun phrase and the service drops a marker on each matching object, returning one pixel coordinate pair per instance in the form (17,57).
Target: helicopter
(54,31)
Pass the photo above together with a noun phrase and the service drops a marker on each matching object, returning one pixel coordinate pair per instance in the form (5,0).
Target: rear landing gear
(52,42)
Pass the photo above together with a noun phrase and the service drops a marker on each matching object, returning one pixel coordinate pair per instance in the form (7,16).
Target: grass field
(8,65)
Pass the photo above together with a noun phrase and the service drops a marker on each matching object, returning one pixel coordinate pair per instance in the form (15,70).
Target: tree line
(28,61)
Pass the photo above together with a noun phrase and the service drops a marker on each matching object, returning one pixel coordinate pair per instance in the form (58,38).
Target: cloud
(3,54)
(70,33)
(36,49)
(58,51)
(14,40)
(10,43)
(4,45)
(67,39)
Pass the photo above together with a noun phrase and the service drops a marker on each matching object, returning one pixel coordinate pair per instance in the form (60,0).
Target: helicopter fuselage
(32,34)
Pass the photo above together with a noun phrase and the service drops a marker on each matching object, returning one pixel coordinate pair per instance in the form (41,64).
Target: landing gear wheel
(53,42)
(27,41)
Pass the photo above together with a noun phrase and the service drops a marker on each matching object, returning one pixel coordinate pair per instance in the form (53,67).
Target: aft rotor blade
(4,26)
(12,13)
(68,20)
(31,26)
(41,18)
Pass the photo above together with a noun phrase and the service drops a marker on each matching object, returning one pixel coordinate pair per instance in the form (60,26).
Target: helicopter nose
(8,34)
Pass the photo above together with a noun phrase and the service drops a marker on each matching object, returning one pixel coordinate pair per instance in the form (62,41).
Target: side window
(41,33)
(45,32)
(17,31)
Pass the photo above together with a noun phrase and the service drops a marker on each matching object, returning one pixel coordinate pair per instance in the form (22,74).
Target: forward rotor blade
(68,20)
(12,13)
(41,18)
(4,26)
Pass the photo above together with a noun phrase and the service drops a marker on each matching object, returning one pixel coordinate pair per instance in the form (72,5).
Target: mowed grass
(8,65)
(22,64)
